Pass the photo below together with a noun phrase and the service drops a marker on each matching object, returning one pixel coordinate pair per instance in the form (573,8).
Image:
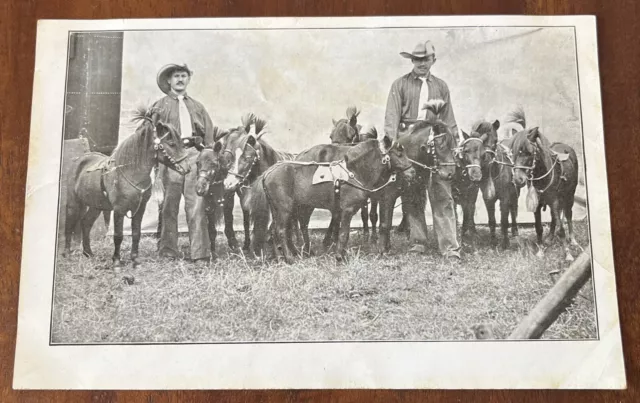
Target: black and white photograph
(323,184)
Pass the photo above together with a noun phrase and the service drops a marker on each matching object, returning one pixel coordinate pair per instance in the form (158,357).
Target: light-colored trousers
(176,186)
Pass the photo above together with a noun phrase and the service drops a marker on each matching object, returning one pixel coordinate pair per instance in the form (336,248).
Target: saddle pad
(330,173)
(100,165)
(561,156)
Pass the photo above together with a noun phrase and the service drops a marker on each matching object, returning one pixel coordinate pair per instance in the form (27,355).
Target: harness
(551,171)
(339,182)
(458,152)
(431,150)
(243,178)
(159,148)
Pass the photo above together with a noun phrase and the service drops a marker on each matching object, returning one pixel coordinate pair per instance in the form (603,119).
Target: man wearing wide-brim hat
(405,106)
(191,119)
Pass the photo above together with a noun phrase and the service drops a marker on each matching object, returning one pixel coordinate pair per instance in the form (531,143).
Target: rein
(529,170)
(431,150)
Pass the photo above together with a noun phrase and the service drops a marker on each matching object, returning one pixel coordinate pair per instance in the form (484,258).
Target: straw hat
(422,50)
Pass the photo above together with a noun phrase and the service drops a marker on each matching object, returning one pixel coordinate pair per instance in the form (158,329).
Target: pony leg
(491,213)
(136,230)
(281,233)
(568,213)
(88,218)
(290,227)
(246,220)
(373,216)
(364,214)
(504,224)
(211,209)
(328,236)
(386,218)
(513,207)
(73,213)
(345,226)
(228,222)
(538,219)
(556,220)
(118,222)
(303,219)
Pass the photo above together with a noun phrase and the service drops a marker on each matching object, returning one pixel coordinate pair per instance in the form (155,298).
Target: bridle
(256,159)
(529,169)
(460,157)
(431,150)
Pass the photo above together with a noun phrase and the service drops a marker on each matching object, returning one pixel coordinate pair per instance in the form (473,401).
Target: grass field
(394,297)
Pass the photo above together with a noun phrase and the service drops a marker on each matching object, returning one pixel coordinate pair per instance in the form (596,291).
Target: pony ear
(513,131)
(252,140)
(386,142)
(465,135)
(217,146)
(496,124)
(334,122)
(533,134)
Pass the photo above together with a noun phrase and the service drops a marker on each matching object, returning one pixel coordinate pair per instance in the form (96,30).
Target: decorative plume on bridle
(435,106)
(218,133)
(249,119)
(143,112)
(517,116)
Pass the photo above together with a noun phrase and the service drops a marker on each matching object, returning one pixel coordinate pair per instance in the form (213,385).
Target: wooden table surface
(618,37)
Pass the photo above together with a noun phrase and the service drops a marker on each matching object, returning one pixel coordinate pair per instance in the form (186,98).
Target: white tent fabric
(298,80)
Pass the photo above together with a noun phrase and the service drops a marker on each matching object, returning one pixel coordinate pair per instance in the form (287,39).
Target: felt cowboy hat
(165,73)
(422,50)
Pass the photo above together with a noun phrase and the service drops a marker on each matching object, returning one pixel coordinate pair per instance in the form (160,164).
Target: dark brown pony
(211,172)
(348,132)
(475,156)
(121,182)
(551,171)
(367,167)
(429,145)
(248,157)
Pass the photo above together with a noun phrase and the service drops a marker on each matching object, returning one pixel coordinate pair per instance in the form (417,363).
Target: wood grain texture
(618,36)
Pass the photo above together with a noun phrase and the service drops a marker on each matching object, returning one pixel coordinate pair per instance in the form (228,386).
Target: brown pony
(429,145)
(122,182)
(212,170)
(348,132)
(475,157)
(365,168)
(248,157)
(551,171)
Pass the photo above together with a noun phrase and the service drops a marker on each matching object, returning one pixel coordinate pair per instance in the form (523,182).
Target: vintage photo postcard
(388,202)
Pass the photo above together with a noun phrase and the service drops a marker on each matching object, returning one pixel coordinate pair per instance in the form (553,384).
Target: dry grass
(396,297)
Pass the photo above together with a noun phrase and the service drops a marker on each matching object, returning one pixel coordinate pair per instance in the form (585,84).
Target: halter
(431,150)
(243,178)
(158,147)
(529,169)
(458,153)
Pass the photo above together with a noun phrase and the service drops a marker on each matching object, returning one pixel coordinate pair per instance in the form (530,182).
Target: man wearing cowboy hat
(190,118)
(405,106)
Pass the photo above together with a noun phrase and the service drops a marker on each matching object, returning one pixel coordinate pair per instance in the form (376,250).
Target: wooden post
(549,308)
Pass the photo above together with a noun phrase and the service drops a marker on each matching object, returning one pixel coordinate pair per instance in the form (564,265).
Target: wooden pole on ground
(549,308)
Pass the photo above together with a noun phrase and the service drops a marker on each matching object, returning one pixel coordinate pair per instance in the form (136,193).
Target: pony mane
(372,133)
(218,133)
(143,112)
(249,119)
(482,127)
(517,116)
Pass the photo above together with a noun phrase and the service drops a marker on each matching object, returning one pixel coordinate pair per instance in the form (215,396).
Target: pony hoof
(540,254)
(87,253)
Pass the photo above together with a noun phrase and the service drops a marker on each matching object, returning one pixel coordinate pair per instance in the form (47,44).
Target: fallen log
(551,306)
